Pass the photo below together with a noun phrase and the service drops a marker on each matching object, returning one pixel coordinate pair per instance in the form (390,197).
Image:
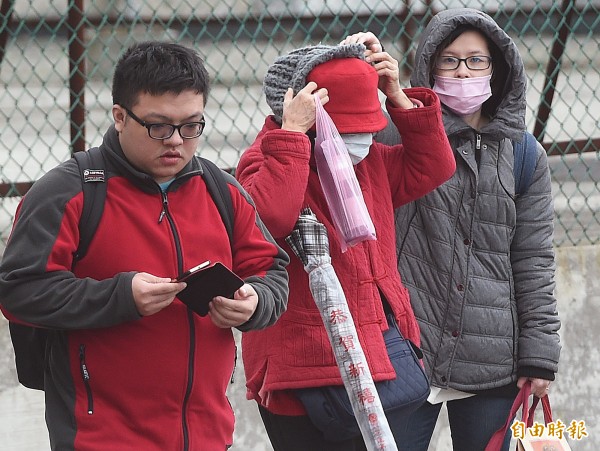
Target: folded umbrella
(310,243)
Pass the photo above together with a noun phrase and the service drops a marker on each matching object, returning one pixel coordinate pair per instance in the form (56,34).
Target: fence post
(6,10)
(77,74)
(558,48)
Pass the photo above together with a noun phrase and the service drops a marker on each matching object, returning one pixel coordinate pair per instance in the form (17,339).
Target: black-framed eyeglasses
(476,62)
(158,130)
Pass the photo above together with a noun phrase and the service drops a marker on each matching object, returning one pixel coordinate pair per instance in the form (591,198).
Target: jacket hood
(509,88)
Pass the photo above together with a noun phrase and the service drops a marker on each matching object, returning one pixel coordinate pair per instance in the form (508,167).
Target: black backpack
(29,343)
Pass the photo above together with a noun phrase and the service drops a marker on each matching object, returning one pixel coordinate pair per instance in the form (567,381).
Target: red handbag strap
(527,414)
(545,407)
(522,399)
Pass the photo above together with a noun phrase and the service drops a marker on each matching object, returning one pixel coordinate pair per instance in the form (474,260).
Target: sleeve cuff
(535,372)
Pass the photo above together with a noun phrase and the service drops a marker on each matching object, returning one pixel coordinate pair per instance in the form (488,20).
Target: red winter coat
(279,173)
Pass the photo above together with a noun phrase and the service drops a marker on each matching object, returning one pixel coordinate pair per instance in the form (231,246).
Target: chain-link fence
(56,60)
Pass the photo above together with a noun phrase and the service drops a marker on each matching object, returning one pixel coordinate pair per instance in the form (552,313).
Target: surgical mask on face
(464,96)
(358,145)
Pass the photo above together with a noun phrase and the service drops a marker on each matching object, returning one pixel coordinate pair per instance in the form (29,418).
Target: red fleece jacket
(155,382)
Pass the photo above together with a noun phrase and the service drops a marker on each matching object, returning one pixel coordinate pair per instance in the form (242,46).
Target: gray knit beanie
(290,71)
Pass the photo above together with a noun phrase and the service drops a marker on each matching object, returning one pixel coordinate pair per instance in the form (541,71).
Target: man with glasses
(129,366)
(188,130)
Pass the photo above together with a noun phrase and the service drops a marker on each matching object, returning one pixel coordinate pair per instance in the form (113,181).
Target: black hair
(157,68)
(500,68)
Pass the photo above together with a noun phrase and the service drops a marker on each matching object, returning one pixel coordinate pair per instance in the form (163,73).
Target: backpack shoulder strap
(93,181)
(525,154)
(219,191)
(29,343)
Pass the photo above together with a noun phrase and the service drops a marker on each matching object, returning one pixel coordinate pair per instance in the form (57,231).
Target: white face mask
(358,145)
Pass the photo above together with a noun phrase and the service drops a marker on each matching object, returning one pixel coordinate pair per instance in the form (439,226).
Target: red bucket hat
(352,83)
(354,104)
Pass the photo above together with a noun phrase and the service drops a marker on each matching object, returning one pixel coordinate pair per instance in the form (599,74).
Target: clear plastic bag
(344,197)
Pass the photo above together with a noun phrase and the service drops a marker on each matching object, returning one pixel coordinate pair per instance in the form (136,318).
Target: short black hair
(500,67)
(157,68)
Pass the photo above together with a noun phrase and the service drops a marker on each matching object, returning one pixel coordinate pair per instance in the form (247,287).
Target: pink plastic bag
(340,186)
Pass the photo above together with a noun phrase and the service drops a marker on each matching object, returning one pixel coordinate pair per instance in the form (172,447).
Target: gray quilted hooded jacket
(478,260)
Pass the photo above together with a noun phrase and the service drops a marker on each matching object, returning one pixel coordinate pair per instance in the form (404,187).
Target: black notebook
(206,281)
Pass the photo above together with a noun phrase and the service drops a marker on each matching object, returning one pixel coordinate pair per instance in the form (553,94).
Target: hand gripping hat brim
(351,83)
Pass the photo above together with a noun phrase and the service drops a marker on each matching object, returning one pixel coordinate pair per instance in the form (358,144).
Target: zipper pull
(165,203)
(85,375)
(478,142)
(84,371)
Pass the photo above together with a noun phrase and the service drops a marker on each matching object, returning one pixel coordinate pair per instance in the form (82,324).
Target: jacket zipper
(478,141)
(190,382)
(85,374)
(165,213)
(188,391)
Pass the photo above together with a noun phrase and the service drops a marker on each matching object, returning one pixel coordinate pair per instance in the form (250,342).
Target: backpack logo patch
(93,175)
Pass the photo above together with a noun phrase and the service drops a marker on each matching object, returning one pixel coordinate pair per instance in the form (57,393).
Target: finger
(375,47)
(167,289)
(244,292)
(368,39)
(377,56)
(241,293)
(540,387)
(323,95)
(541,394)
(350,39)
(383,59)
(223,316)
(157,293)
(310,88)
(544,389)
(386,72)
(289,95)
(235,309)
(540,384)
(149,278)
(224,305)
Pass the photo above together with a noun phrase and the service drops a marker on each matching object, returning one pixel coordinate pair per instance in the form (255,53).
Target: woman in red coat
(279,171)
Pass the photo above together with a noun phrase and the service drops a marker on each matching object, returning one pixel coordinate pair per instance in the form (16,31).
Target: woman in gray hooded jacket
(476,257)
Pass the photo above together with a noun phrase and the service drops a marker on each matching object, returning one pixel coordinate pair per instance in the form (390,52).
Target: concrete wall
(573,395)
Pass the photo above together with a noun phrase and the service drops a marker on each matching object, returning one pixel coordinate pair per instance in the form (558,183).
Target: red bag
(528,442)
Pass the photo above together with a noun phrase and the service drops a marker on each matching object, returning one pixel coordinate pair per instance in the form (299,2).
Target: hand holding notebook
(206,281)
